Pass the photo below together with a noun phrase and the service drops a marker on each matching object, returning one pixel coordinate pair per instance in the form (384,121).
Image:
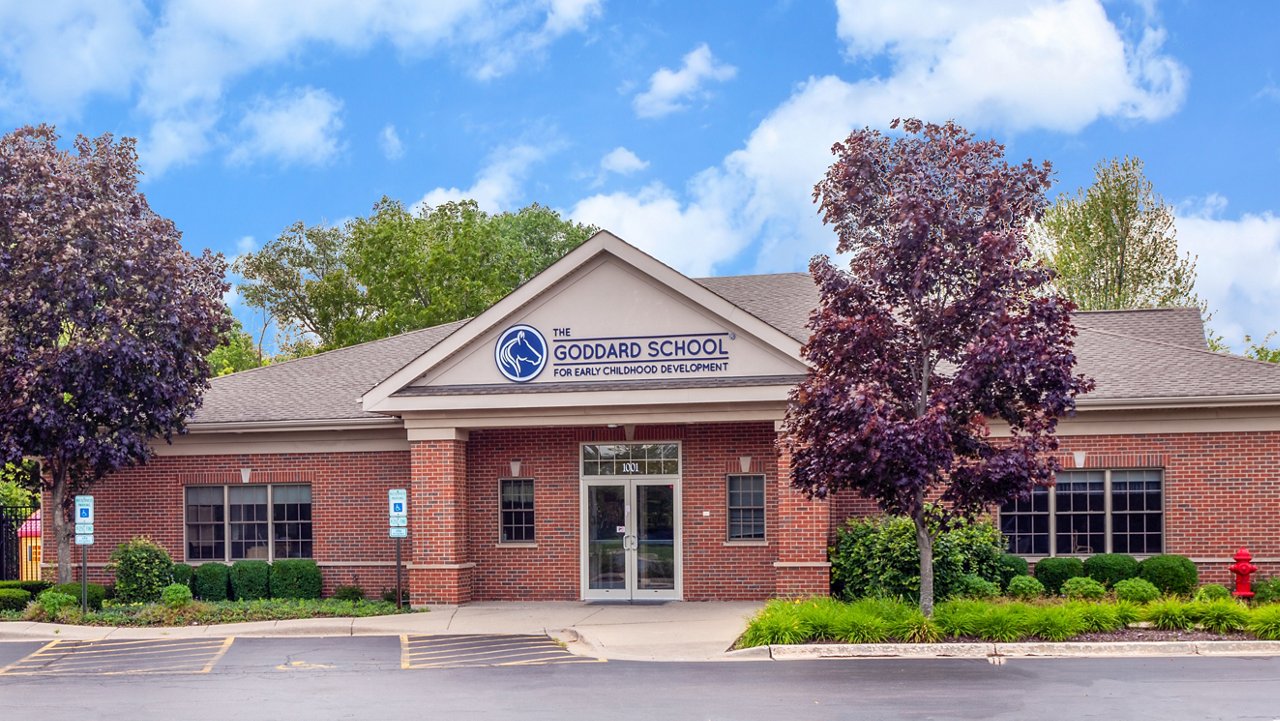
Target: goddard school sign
(522,353)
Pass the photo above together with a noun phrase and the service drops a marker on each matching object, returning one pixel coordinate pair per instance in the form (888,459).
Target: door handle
(629,543)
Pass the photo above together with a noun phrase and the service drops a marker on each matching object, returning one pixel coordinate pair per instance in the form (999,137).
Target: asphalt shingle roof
(1135,354)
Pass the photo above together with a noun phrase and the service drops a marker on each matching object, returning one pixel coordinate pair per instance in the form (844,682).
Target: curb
(1133,649)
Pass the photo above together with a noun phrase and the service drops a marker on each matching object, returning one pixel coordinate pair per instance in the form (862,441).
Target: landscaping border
(1030,649)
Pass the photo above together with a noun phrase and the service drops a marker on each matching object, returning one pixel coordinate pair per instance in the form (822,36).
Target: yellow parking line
(404,650)
(478,655)
(217,656)
(164,647)
(43,648)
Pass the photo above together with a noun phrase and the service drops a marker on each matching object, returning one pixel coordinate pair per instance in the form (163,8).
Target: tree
(1114,244)
(396,271)
(105,321)
(20,484)
(236,351)
(942,325)
(1262,350)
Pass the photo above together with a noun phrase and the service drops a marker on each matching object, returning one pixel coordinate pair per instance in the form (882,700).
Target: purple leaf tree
(105,320)
(942,326)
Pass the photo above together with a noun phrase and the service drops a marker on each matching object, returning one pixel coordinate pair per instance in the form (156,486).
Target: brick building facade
(609,431)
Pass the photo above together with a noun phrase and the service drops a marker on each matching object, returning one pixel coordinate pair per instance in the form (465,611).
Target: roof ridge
(1163,309)
(1215,354)
(749,275)
(339,350)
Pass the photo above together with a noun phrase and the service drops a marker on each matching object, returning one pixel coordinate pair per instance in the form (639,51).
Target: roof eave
(313,424)
(1106,404)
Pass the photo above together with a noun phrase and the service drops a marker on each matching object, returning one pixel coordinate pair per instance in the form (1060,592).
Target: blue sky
(694,130)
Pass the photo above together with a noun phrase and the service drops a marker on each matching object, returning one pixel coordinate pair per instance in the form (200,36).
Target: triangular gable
(605,312)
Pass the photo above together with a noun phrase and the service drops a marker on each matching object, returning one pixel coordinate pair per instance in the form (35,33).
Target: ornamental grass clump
(914,627)
(960,618)
(1005,623)
(1169,614)
(1057,623)
(858,625)
(1264,622)
(779,622)
(1222,616)
(820,618)
(1099,617)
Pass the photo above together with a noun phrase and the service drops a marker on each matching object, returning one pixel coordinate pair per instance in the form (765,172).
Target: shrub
(1222,616)
(96,592)
(249,580)
(1136,590)
(971,586)
(1264,622)
(1083,588)
(52,601)
(1266,590)
(352,593)
(295,578)
(1025,588)
(1170,573)
(1110,568)
(34,588)
(879,556)
(1053,572)
(176,595)
(142,570)
(1211,592)
(1169,614)
(182,573)
(210,582)
(14,599)
(1011,567)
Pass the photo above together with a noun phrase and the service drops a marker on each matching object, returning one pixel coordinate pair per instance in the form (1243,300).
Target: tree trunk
(925,542)
(62,528)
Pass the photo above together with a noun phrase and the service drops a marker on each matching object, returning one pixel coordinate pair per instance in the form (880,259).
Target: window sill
(515,545)
(747,544)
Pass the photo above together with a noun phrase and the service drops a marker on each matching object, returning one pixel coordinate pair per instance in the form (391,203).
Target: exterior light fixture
(515,468)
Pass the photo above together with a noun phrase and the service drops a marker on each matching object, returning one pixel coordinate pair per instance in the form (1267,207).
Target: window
(516,510)
(1089,512)
(631,459)
(232,523)
(746,508)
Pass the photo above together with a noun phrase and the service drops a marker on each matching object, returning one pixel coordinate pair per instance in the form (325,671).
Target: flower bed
(201,613)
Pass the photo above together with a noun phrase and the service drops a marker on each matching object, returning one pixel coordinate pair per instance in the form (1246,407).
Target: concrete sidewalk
(676,631)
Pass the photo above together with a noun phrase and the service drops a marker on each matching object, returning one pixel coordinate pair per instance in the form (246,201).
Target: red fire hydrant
(1243,570)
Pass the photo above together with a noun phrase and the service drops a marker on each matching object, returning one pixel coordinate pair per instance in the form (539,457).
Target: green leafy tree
(395,271)
(20,484)
(1114,245)
(1262,350)
(236,352)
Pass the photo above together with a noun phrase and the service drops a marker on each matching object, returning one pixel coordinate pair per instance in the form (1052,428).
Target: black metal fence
(19,543)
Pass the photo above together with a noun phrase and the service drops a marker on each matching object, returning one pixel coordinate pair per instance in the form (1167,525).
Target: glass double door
(631,539)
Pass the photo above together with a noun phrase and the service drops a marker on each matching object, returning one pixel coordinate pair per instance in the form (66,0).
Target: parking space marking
(113,658)
(478,650)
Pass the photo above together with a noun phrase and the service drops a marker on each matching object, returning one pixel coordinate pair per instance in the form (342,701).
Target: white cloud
(562,17)
(672,90)
(55,56)
(389,141)
(622,161)
(298,127)
(498,186)
(1237,266)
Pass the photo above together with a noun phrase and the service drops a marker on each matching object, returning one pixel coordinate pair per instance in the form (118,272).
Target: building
(608,431)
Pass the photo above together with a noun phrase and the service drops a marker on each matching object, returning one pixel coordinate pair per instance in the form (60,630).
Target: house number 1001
(630,467)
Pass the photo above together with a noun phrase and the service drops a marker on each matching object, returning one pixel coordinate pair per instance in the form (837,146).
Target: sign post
(84,539)
(398,521)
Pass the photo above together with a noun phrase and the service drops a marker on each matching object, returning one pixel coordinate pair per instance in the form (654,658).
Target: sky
(695,131)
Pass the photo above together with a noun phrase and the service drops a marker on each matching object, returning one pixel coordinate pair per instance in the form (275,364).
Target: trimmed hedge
(1011,567)
(1136,590)
(249,580)
(1083,587)
(97,593)
(142,569)
(182,573)
(35,588)
(1170,573)
(1025,588)
(14,599)
(1111,568)
(295,578)
(1053,572)
(211,581)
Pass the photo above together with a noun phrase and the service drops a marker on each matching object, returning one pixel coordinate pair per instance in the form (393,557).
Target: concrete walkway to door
(671,631)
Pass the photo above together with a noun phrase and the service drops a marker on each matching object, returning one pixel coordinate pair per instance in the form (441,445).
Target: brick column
(440,564)
(802,568)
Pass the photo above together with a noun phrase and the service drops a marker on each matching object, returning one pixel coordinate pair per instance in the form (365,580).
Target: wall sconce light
(744,463)
(1079,457)
(515,468)
(244,474)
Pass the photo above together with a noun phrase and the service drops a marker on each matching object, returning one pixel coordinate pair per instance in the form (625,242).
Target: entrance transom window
(631,521)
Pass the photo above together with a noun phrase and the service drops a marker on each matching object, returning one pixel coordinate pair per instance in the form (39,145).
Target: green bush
(879,557)
(142,569)
(349,593)
(971,586)
(34,588)
(959,618)
(1222,616)
(249,580)
(1169,614)
(1005,623)
(96,592)
(211,581)
(1127,612)
(1110,568)
(53,601)
(1083,588)
(779,622)
(1058,623)
(176,595)
(1266,590)
(1170,573)
(1212,592)
(1011,567)
(1136,590)
(182,573)
(14,599)
(1025,588)
(1099,617)
(1264,622)
(1053,572)
(295,578)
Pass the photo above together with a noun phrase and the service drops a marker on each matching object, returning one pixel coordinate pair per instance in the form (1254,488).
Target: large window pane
(247,510)
(1081,513)
(516,510)
(291,521)
(1137,509)
(746,508)
(206,528)
(1025,523)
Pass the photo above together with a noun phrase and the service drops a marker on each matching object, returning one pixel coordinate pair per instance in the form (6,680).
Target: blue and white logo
(521,353)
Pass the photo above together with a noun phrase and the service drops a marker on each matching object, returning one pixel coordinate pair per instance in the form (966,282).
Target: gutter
(1268,399)
(321,424)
